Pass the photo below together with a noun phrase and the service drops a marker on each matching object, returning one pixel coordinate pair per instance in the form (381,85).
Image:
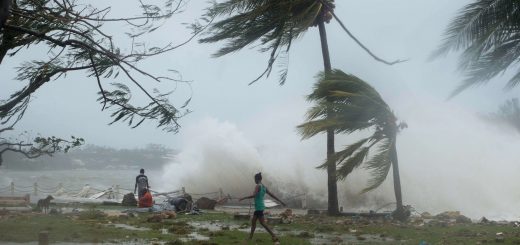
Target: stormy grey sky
(392,29)
(445,155)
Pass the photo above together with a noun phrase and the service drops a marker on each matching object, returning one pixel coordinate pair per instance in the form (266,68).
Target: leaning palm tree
(274,25)
(508,113)
(488,33)
(348,104)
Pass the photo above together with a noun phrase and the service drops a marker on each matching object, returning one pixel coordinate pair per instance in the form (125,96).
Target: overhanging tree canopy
(75,39)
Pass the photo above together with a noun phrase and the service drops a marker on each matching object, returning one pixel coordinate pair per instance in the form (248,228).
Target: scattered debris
(170,214)
(287,216)
(483,220)
(129,200)
(500,237)
(426,215)
(402,214)
(448,215)
(182,203)
(15,201)
(54,211)
(206,203)
(451,217)
(461,219)
(157,218)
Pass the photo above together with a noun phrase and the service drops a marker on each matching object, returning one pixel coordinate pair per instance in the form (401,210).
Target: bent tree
(74,36)
(274,25)
(348,104)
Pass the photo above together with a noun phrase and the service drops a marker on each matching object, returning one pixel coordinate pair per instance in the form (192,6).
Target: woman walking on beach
(258,195)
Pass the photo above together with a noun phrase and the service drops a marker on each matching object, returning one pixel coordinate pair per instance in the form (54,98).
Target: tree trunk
(5,6)
(397,179)
(331,168)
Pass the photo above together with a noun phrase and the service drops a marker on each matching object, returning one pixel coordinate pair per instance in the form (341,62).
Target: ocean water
(73,180)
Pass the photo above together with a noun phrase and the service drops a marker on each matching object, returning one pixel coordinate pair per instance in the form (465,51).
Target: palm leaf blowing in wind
(488,34)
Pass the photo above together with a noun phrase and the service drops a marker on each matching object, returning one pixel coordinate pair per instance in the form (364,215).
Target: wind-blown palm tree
(274,25)
(508,113)
(488,33)
(348,104)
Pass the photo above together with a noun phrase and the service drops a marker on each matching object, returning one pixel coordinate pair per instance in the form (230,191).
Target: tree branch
(356,40)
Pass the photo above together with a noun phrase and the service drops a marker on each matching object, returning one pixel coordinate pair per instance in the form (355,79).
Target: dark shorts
(259,213)
(140,193)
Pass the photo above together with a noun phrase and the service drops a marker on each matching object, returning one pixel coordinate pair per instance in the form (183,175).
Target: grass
(63,228)
(92,226)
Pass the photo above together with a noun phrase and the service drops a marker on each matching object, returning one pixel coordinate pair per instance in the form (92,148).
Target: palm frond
(488,31)
(312,128)
(354,161)
(350,149)
(272,24)
(379,165)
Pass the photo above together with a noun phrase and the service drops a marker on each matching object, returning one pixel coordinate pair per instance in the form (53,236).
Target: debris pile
(447,218)
(157,218)
(453,217)
(287,216)
(129,200)
(205,203)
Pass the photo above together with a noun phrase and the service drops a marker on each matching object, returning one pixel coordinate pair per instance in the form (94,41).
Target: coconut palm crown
(355,106)
(273,23)
(488,33)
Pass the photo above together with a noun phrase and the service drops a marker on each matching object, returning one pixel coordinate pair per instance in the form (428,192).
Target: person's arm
(147,185)
(276,198)
(257,189)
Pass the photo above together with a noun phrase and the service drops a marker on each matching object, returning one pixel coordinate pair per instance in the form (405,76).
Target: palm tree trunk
(397,179)
(332,184)
(5,6)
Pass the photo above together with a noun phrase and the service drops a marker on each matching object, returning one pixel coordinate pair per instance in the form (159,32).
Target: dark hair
(142,171)
(258,176)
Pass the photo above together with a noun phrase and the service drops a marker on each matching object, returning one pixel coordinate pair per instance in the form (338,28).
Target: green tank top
(259,198)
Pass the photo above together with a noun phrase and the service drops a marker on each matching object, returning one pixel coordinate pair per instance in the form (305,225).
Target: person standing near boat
(141,183)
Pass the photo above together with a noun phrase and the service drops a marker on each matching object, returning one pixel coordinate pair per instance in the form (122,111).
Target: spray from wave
(216,154)
(449,160)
